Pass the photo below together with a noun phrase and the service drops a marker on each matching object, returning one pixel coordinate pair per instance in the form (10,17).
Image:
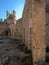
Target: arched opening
(7,32)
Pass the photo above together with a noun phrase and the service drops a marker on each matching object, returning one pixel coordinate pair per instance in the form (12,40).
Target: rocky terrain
(14,52)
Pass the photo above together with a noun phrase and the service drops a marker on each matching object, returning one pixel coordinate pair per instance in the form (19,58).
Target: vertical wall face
(47,29)
(47,23)
(34,10)
(26,19)
(38,30)
(19,29)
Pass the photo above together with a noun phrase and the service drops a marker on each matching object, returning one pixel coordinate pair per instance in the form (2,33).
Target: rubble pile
(14,52)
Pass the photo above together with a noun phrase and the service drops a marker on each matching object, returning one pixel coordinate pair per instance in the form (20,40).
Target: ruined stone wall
(47,23)
(38,31)
(3,28)
(34,12)
(26,19)
(12,27)
(47,29)
(19,28)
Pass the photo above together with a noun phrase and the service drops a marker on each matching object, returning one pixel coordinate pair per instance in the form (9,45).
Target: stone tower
(7,14)
(11,16)
(11,20)
(34,12)
(14,16)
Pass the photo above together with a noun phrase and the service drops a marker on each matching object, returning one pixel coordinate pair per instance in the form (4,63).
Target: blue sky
(11,5)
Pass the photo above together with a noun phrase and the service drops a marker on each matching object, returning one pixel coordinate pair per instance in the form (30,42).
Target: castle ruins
(32,28)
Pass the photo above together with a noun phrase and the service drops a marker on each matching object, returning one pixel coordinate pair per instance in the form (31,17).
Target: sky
(11,5)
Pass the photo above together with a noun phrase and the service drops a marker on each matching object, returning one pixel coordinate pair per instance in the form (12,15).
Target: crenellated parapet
(11,15)
(7,14)
(14,14)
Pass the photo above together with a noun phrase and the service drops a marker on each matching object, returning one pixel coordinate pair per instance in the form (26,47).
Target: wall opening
(47,54)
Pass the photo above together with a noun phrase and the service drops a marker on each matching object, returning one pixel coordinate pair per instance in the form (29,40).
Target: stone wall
(19,28)
(34,12)
(8,25)
(26,19)
(3,28)
(47,23)
(32,28)
(38,31)
(47,29)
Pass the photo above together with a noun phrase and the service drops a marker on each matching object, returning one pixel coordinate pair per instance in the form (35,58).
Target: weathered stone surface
(34,10)
(47,29)
(27,16)
(30,29)
(38,31)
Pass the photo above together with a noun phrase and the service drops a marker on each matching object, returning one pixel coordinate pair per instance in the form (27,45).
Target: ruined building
(32,28)
(8,25)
